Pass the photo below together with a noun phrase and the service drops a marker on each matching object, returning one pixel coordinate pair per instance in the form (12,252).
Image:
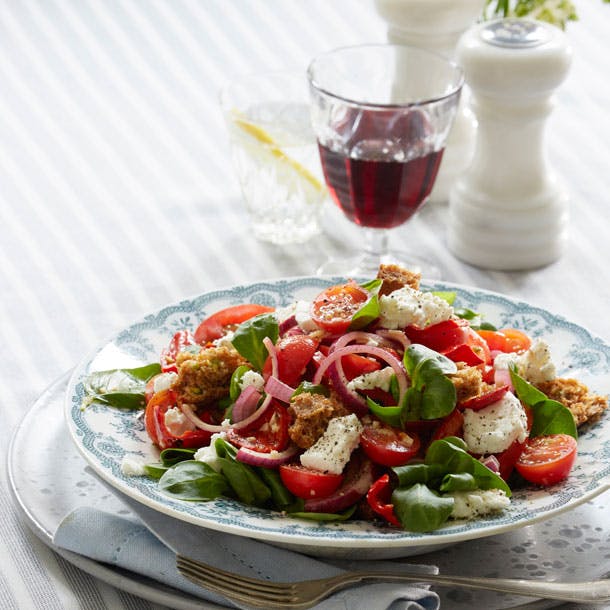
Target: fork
(305,594)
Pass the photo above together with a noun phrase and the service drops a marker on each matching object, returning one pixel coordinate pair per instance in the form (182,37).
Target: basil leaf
(248,338)
(431,395)
(370,310)
(420,509)
(236,377)
(173,455)
(121,400)
(486,326)
(388,415)
(343,516)
(409,474)
(448,297)
(466,314)
(462,481)
(280,496)
(550,416)
(450,453)
(307,386)
(155,471)
(121,388)
(194,481)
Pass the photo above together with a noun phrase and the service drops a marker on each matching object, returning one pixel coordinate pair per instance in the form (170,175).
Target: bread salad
(374,401)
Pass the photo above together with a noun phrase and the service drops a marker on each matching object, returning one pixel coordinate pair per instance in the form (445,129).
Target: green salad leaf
(248,338)
(120,388)
(370,310)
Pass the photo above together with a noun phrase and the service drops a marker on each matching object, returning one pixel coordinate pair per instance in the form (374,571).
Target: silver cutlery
(306,593)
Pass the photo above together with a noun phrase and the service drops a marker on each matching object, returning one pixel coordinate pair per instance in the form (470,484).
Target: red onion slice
(246,403)
(272,354)
(502,377)
(335,358)
(278,389)
(491,461)
(190,413)
(397,336)
(266,460)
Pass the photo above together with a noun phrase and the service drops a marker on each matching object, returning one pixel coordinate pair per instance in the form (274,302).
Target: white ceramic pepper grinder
(436,25)
(508,211)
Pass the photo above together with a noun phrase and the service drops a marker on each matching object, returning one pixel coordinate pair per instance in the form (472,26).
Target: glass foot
(363,265)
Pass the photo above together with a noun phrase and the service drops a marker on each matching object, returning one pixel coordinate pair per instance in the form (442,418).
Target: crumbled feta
(164,381)
(494,428)
(226,340)
(283,313)
(208,454)
(477,503)
(407,306)
(176,422)
(132,466)
(534,365)
(252,378)
(302,314)
(375,379)
(333,449)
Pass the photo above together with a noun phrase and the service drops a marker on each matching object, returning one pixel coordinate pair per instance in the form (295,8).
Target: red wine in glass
(379,193)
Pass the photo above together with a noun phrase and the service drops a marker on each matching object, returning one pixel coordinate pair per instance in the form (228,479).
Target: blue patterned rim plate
(104,435)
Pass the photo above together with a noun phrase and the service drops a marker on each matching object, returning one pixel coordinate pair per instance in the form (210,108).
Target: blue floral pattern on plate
(105,435)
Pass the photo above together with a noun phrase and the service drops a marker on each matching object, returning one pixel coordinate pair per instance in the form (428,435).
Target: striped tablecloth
(117,195)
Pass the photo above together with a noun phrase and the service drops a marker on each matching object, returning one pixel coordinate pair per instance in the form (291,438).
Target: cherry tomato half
(271,434)
(307,483)
(387,446)
(506,340)
(182,339)
(293,355)
(353,365)
(154,422)
(215,326)
(450,425)
(334,308)
(546,460)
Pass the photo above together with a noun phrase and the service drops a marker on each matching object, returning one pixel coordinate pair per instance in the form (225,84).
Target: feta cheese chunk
(407,306)
(478,503)
(252,378)
(208,454)
(332,451)
(164,381)
(375,379)
(494,428)
(177,423)
(534,365)
(131,466)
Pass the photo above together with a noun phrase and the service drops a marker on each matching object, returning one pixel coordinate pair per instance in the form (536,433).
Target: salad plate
(105,435)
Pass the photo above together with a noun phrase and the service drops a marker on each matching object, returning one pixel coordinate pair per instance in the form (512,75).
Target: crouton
(395,277)
(468,382)
(205,377)
(584,405)
(310,414)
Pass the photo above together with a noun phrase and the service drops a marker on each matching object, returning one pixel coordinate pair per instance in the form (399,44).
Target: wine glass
(381,114)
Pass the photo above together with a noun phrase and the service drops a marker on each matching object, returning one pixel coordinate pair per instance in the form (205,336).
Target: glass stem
(375,248)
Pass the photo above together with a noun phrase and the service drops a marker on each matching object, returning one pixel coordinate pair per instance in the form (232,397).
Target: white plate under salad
(104,435)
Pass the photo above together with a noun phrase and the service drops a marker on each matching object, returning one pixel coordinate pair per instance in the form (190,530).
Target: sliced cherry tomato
(216,325)
(546,460)
(182,339)
(334,308)
(154,422)
(506,340)
(293,355)
(388,446)
(271,435)
(354,365)
(378,498)
(307,483)
(464,353)
(508,458)
(450,425)
(440,337)
(478,345)
(484,400)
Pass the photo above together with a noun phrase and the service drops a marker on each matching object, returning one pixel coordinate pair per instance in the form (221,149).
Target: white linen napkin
(127,543)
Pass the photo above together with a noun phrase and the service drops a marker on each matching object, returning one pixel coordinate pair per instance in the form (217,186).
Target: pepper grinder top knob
(507,211)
